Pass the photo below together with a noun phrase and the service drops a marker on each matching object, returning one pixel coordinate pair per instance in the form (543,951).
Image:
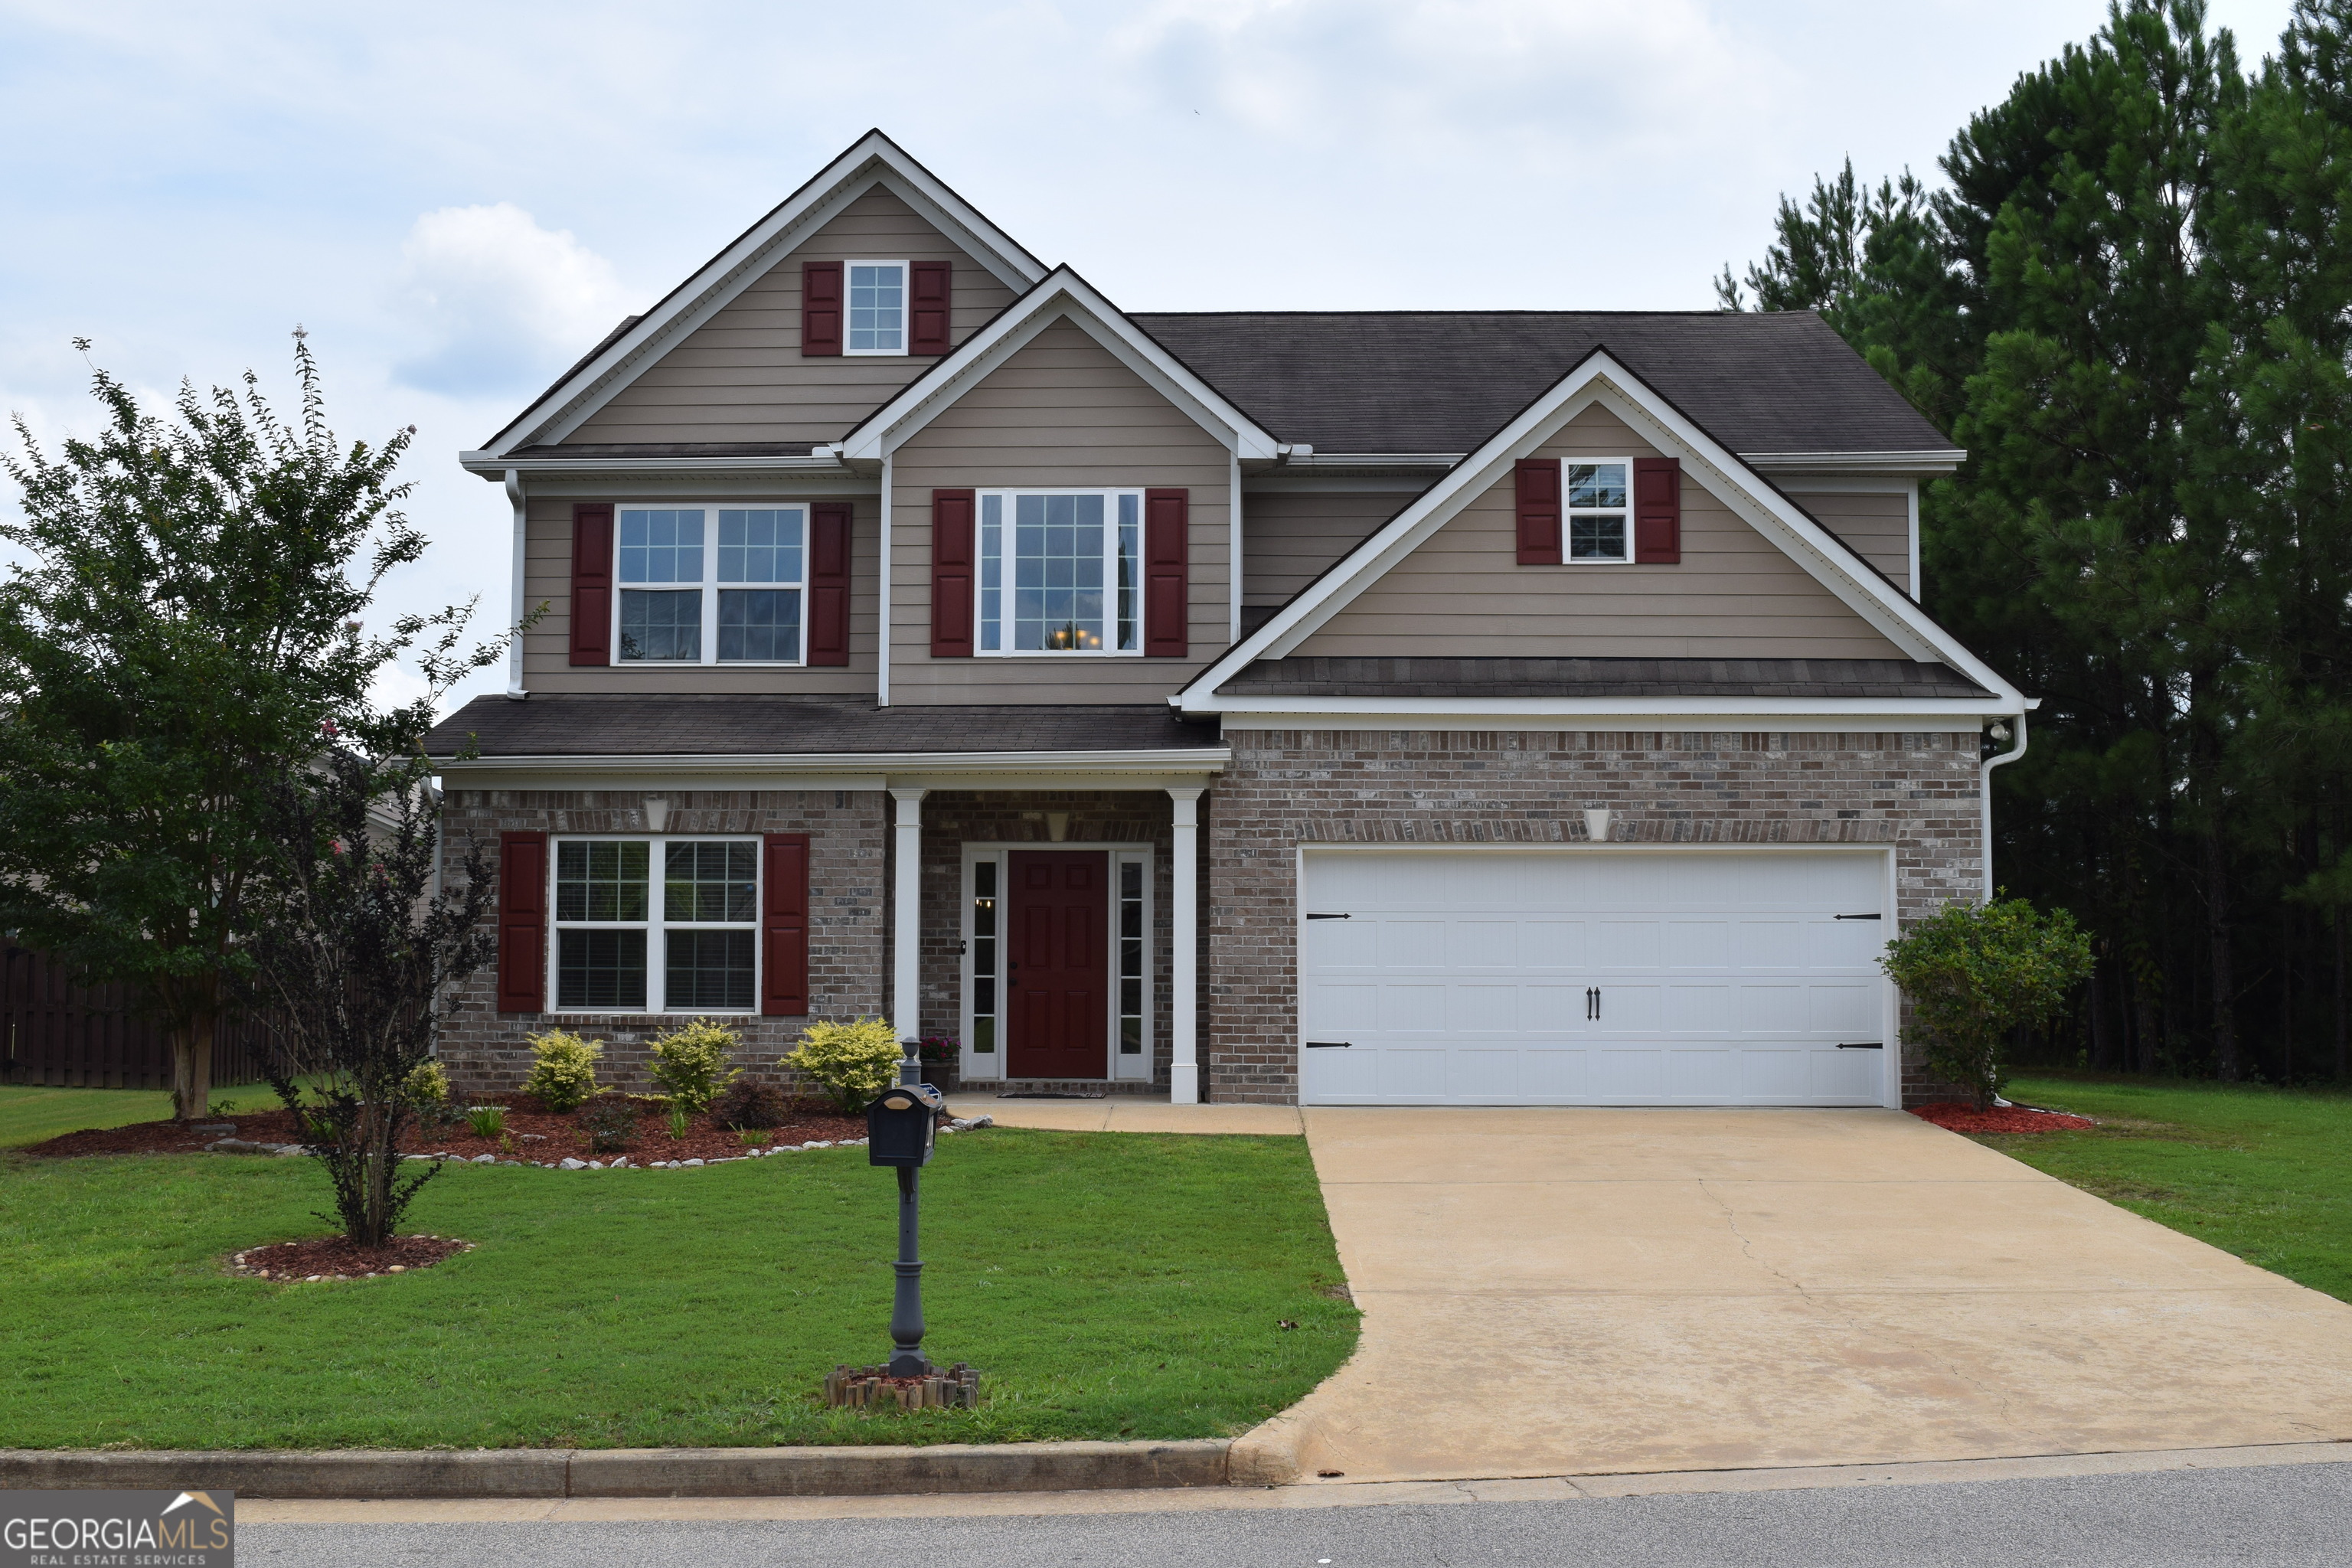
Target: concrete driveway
(1577,1290)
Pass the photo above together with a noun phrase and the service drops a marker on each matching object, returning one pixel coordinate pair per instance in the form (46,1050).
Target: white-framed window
(876,321)
(709,585)
(1061,572)
(1598,500)
(657,925)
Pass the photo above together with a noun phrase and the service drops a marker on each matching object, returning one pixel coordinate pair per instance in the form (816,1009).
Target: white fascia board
(873,160)
(1943,460)
(1600,379)
(1063,296)
(1190,760)
(491,466)
(1867,718)
(1842,708)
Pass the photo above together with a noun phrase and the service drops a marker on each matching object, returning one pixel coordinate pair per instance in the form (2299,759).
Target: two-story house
(1467,707)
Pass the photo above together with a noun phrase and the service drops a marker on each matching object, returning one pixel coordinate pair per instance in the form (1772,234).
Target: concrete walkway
(1127,1113)
(1574,1290)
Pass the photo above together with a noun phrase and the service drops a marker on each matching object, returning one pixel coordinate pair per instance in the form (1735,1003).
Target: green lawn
(29,1114)
(2263,1172)
(1107,1285)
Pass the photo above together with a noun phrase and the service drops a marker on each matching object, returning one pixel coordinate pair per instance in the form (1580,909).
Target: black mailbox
(900,1125)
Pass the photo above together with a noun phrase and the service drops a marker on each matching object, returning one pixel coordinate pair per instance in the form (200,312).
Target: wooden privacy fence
(55,1032)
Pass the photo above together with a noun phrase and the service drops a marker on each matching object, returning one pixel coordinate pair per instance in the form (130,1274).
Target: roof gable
(1600,379)
(873,160)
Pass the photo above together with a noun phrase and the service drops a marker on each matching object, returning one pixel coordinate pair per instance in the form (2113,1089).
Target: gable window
(624,944)
(1058,571)
(877,308)
(709,585)
(1599,514)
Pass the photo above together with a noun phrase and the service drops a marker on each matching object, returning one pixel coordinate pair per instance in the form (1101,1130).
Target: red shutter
(930,296)
(523,922)
(951,574)
(1658,510)
(1167,601)
(784,926)
(1538,493)
(821,308)
(828,583)
(591,585)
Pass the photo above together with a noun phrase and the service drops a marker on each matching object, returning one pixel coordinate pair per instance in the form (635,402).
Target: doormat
(1047,1094)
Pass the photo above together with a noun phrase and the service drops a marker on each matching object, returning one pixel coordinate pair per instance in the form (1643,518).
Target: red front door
(1056,963)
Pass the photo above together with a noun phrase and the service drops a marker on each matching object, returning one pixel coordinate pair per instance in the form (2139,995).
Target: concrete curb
(630,1472)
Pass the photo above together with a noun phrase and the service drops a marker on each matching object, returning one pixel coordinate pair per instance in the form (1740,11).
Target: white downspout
(882,599)
(1234,554)
(514,621)
(1984,799)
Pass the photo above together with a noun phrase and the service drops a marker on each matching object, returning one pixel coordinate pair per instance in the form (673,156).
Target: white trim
(709,585)
(515,497)
(656,926)
(1621,712)
(1890,998)
(1184,944)
(996,1067)
(882,601)
(814,468)
(905,291)
(1233,546)
(1984,802)
(1187,760)
(1939,460)
(1062,296)
(1568,557)
(1918,587)
(906,912)
(1600,379)
(873,160)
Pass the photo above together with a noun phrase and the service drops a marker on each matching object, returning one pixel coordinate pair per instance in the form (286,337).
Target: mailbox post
(900,1130)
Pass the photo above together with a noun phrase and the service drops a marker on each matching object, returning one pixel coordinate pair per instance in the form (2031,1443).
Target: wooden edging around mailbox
(628,1472)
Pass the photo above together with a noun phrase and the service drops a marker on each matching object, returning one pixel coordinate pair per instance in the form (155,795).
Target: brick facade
(483,1049)
(1290,787)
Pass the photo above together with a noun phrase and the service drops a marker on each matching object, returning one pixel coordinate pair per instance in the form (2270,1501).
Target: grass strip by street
(1108,1286)
(2265,1173)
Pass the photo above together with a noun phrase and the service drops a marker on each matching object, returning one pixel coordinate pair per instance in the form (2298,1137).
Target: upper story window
(710,585)
(1600,511)
(1058,571)
(877,308)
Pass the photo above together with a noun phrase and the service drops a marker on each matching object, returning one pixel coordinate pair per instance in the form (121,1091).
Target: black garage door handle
(1330,1044)
(1862,1045)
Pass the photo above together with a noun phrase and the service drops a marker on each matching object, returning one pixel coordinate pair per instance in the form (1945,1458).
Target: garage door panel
(1466,977)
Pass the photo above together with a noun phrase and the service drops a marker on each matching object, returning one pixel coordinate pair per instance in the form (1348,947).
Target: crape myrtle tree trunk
(179,632)
(356,956)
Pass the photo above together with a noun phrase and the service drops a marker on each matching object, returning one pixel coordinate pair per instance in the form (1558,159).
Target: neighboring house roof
(1323,676)
(1779,383)
(594,724)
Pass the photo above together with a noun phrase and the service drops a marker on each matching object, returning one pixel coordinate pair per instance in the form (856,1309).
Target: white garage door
(1591,977)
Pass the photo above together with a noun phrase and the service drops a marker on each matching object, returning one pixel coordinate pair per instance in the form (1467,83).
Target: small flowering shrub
(854,1062)
(690,1063)
(562,1069)
(427,1088)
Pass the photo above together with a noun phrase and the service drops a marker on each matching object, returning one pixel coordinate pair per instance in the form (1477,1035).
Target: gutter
(1984,798)
(489,465)
(1187,759)
(1850,709)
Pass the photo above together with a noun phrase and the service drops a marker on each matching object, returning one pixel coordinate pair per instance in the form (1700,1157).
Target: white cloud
(497,302)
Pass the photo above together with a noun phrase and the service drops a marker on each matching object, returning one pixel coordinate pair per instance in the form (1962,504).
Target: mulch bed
(334,1258)
(1954,1117)
(532,1133)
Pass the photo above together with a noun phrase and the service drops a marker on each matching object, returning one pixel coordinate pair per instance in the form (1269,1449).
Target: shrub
(681,1120)
(1974,973)
(562,1069)
(690,1062)
(854,1062)
(487,1120)
(611,1120)
(427,1086)
(748,1102)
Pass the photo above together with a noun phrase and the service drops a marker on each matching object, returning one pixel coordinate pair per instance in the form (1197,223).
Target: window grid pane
(1131,552)
(707,969)
(1601,537)
(1057,574)
(601,881)
(600,970)
(983,958)
(759,625)
(661,625)
(992,573)
(661,546)
(760,545)
(878,297)
(710,882)
(1130,959)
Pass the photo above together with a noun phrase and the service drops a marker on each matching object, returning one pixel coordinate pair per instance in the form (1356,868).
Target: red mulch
(1954,1117)
(334,1258)
(535,1134)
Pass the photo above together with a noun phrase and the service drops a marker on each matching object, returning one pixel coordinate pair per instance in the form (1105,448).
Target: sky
(455,201)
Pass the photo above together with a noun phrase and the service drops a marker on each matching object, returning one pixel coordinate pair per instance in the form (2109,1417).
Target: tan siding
(1877,525)
(1062,413)
(740,376)
(547,650)
(1289,537)
(1734,596)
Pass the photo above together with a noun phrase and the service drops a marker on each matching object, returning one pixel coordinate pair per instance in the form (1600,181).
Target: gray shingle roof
(1444,381)
(594,724)
(1336,677)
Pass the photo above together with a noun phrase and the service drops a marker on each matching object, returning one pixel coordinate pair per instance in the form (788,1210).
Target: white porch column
(907,916)
(1184,1070)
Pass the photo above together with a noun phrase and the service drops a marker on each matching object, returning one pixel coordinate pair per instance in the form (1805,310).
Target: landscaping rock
(486,1159)
(693,1161)
(567,1164)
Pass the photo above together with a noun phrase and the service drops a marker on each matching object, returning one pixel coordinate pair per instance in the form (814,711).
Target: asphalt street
(2277,1516)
